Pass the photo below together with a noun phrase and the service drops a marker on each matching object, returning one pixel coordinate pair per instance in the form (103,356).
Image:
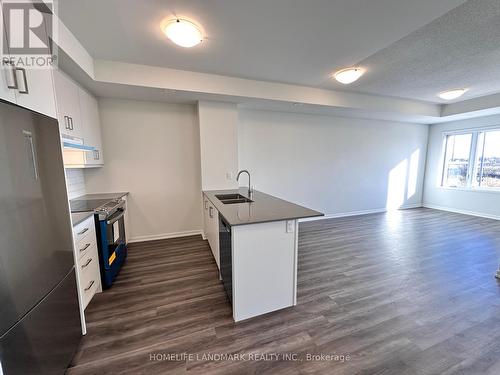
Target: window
(488,160)
(472,160)
(457,160)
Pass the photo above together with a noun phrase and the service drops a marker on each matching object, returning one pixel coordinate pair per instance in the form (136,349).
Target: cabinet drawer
(90,278)
(83,247)
(89,289)
(88,241)
(89,261)
(84,229)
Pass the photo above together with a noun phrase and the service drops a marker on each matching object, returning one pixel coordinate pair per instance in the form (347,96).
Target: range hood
(74,143)
(75,146)
(75,152)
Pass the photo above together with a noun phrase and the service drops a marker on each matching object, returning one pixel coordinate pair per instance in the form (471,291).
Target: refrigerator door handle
(29,136)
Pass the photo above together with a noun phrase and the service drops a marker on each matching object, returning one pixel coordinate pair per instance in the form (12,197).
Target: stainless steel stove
(103,207)
(109,209)
(110,230)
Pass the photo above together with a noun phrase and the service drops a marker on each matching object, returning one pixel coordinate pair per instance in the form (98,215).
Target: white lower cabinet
(90,281)
(211,227)
(88,275)
(205,217)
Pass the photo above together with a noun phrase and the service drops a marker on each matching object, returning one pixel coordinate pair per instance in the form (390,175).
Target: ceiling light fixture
(182,32)
(452,94)
(348,75)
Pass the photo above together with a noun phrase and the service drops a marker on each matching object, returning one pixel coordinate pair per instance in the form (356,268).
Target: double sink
(232,198)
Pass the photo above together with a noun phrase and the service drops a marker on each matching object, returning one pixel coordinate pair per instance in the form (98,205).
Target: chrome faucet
(249,185)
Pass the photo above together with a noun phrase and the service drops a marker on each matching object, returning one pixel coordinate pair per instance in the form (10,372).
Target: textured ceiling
(460,49)
(411,49)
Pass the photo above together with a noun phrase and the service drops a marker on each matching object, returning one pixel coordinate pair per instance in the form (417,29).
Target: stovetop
(86,205)
(105,208)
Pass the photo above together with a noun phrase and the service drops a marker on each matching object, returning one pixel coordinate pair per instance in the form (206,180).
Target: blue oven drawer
(113,264)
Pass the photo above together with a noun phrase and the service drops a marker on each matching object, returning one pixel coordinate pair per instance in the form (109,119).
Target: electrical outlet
(229,176)
(289,226)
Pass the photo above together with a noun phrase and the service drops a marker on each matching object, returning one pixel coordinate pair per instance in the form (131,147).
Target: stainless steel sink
(232,198)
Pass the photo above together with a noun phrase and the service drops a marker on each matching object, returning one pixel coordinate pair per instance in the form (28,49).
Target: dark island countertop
(264,208)
(78,217)
(110,196)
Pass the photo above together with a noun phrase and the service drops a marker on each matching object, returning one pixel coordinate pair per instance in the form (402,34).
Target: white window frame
(471,183)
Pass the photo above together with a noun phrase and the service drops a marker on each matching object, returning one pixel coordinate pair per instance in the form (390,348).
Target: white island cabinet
(264,267)
(254,239)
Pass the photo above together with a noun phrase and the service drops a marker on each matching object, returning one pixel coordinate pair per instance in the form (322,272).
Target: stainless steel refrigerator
(39,316)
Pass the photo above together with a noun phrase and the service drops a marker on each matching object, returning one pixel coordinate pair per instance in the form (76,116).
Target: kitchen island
(254,240)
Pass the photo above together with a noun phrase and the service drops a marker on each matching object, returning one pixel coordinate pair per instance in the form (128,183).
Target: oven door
(115,229)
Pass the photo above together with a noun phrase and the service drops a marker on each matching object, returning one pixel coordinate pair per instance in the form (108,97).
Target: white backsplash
(76,183)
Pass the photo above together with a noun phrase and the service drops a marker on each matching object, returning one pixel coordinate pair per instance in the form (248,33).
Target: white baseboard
(463,212)
(357,213)
(164,236)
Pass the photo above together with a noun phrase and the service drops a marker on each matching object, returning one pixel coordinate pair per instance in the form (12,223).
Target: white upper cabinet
(68,106)
(28,87)
(78,114)
(89,109)
(36,90)
(7,79)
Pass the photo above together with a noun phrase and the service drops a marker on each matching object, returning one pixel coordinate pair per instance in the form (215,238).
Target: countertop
(78,217)
(109,196)
(264,208)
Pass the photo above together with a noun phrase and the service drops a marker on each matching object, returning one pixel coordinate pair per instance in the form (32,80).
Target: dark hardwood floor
(409,292)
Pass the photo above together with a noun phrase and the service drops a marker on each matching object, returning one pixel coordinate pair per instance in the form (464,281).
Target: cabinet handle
(83,231)
(66,122)
(71,123)
(26,90)
(87,263)
(210,212)
(206,205)
(14,77)
(90,286)
(85,247)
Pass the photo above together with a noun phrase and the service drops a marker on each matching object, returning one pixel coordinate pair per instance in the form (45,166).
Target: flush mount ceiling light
(348,75)
(182,32)
(452,94)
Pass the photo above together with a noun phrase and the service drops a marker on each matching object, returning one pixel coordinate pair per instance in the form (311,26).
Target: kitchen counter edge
(78,217)
(299,212)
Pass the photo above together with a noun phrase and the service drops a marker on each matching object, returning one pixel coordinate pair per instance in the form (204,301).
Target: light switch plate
(289,226)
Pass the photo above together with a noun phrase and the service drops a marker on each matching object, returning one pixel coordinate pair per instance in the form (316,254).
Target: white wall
(218,124)
(151,150)
(472,202)
(334,165)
